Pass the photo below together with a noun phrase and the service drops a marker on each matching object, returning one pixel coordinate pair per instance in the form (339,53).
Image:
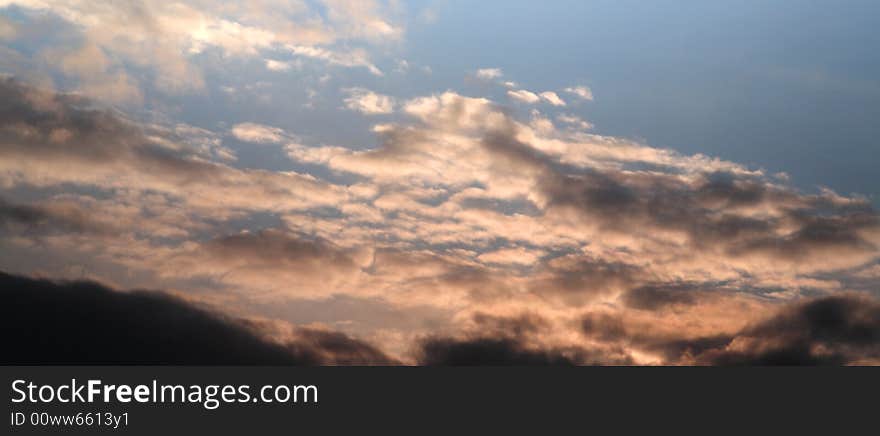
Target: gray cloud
(827,331)
(504,340)
(835,330)
(87,323)
(57,138)
(40,219)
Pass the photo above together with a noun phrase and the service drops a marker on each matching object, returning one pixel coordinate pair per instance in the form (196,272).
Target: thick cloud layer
(827,331)
(837,330)
(512,341)
(85,323)
(465,210)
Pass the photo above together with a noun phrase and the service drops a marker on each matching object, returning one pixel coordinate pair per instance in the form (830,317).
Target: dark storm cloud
(839,232)
(834,330)
(659,296)
(507,351)
(728,190)
(271,257)
(489,351)
(827,331)
(708,209)
(85,323)
(605,327)
(715,209)
(336,348)
(622,200)
(43,125)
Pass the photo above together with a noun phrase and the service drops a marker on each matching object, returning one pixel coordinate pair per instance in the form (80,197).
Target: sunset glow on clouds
(488,226)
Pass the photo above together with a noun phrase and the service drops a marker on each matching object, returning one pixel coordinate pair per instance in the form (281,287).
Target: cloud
(462,207)
(261,260)
(8,29)
(253,132)
(98,77)
(489,351)
(368,102)
(275,65)
(581,92)
(101,326)
(489,73)
(505,341)
(517,255)
(826,331)
(52,217)
(352,58)
(552,98)
(832,330)
(655,297)
(575,121)
(165,39)
(335,348)
(523,96)
(529,97)
(578,278)
(51,139)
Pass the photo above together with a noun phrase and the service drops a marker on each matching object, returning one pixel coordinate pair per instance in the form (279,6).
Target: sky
(441,182)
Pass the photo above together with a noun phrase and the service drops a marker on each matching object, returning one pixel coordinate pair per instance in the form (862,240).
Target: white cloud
(7,29)
(581,91)
(366,19)
(259,133)
(163,36)
(274,65)
(368,102)
(524,96)
(352,58)
(552,98)
(489,73)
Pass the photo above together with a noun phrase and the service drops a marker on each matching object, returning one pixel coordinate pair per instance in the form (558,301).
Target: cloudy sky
(340,181)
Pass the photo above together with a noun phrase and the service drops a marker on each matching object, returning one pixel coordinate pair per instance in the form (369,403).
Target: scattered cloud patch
(523,96)
(351,58)
(368,102)
(258,133)
(552,98)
